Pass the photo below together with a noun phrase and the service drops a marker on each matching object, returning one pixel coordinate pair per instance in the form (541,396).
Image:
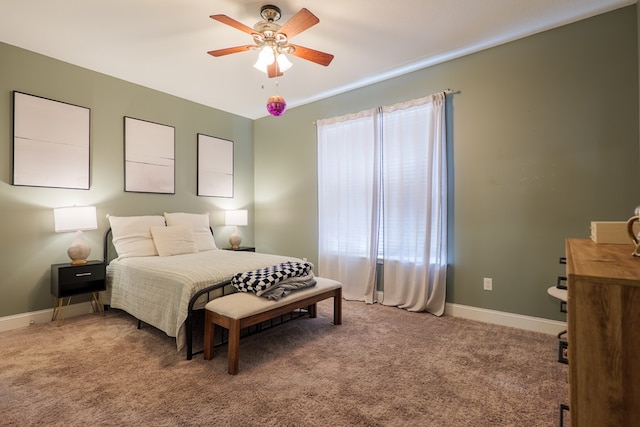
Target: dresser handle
(83,274)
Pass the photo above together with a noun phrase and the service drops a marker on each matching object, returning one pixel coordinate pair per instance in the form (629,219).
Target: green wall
(29,244)
(543,140)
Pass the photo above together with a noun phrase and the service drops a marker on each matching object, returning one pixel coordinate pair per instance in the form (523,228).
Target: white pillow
(132,234)
(173,240)
(199,224)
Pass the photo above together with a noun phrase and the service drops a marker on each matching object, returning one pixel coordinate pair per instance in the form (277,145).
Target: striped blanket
(276,281)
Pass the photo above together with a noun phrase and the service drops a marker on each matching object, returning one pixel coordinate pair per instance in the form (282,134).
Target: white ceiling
(162,44)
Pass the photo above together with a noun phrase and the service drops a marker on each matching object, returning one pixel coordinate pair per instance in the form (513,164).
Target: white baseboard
(42,316)
(529,323)
(536,324)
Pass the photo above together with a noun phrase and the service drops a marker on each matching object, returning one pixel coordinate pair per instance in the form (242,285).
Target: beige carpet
(382,367)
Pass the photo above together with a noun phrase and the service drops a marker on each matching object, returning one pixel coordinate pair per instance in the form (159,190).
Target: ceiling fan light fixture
(273,40)
(283,63)
(265,58)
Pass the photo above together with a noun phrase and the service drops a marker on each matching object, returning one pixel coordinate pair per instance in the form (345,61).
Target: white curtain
(347,194)
(415,204)
(382,196)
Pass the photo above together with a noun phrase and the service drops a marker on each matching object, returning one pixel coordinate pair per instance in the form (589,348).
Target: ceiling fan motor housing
(270,12)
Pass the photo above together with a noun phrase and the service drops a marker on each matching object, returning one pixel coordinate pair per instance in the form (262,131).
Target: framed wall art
(50,143)
(149,157)
(215,166)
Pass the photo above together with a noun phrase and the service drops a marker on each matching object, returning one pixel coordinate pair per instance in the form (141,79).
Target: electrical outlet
(488,284)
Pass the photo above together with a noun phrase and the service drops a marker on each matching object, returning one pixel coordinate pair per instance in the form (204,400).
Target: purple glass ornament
(276,105)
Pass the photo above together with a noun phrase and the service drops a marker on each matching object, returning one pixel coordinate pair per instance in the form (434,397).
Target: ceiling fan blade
(298,23)
(312,55)
(273,71)
(233,23)
(229,50)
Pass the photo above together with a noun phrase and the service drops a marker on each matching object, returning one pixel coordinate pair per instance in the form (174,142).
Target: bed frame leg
(189,332)
(209,331)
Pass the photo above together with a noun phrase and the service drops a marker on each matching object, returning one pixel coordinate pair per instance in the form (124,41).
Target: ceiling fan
(273,40)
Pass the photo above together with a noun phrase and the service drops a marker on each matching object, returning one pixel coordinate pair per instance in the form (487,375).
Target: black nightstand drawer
(67,279)
(81,273)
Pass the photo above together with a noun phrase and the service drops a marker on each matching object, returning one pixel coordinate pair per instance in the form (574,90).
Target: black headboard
(109,250)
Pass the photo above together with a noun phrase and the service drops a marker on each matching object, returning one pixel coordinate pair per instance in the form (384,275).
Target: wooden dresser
(603,333)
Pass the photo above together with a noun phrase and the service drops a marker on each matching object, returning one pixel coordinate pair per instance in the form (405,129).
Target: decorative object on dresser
(603,284)
(235,218)
(68,280)
(632,232)
(611,232)
(78,219)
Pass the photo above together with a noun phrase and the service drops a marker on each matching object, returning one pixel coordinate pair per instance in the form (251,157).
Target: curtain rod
(447,91)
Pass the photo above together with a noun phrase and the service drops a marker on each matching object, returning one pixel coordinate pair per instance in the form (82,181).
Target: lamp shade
(265,58)
(75,218)
(283,63)
(237,217)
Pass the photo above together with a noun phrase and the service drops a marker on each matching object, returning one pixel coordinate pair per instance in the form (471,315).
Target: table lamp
(76,218)
(235,218)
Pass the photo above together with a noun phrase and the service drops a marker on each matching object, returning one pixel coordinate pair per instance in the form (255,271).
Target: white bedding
(157,289)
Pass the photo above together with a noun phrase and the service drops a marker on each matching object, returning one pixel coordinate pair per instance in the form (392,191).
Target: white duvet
(157,289)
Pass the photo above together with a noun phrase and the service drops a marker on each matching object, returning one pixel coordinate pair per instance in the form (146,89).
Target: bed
(163,268)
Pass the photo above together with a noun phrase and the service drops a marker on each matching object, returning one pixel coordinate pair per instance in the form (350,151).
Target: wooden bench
(240,310)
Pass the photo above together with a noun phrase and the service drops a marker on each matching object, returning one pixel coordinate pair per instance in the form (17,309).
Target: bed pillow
(132,235)
(173,240)
(199,224)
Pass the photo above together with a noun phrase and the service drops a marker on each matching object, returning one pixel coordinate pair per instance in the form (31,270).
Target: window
(382,194)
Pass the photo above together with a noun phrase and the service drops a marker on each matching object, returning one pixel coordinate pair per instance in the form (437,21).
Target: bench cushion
(241,304)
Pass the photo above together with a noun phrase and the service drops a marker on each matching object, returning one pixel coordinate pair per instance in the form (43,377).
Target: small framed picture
(149,157)
(215,166)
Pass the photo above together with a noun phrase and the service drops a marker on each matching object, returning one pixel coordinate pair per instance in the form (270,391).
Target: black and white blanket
(276,281)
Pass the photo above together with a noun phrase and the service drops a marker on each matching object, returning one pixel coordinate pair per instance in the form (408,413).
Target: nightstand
(68,280)
(242,249)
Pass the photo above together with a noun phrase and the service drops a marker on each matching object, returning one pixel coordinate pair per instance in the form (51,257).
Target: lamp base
(234,240)
(79,250)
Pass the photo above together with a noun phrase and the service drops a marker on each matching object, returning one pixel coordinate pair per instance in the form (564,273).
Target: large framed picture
(215,166)
(50,143)
(149,157)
